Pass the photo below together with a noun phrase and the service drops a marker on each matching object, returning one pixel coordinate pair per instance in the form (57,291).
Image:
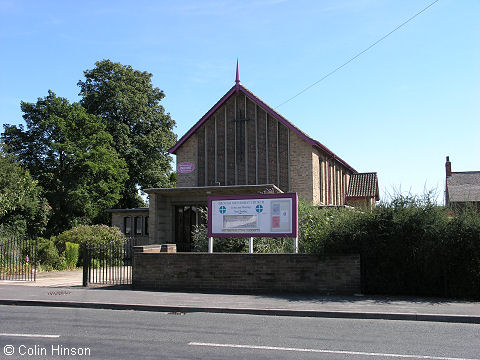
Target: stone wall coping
(251,255)
(154,248)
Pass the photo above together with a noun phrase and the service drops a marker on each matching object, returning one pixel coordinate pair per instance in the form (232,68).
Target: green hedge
(91,234)
(411,246)
(64,251)
(71,254)
(239,245)
(48,256)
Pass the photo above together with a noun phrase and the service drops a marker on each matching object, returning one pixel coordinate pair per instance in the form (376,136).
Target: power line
(359,54)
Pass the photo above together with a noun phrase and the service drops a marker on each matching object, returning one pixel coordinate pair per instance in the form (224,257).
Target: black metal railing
(18,259)
(109,263)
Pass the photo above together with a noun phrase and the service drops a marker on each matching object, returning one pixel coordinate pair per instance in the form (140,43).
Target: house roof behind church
(240,88)
(464,186)
(363,185)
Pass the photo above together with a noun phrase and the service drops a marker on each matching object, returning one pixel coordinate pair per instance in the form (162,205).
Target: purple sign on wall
(185,167)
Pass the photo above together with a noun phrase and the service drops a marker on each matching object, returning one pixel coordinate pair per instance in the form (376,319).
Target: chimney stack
(448,167)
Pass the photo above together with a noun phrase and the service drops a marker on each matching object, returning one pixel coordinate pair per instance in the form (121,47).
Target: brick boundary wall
(247,273)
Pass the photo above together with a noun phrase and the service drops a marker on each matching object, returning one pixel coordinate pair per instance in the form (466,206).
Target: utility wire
(359,54)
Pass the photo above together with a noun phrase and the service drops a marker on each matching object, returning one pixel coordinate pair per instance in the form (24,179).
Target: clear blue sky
(398,109)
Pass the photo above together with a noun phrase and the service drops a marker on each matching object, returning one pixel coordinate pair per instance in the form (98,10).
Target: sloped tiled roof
(363,185)
(240,88)
(464,186)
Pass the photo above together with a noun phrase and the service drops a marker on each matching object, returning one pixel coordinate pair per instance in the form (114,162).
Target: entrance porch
(174,212)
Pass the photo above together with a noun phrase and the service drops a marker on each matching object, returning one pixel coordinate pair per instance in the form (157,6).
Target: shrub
(91,234)
(273,245)
(240,245)
(325,231)
(400,247)
(461,255)
(71,254)
(312,228)
(48,256)
(200,242)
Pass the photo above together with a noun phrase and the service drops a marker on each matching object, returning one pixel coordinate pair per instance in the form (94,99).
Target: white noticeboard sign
(266,215)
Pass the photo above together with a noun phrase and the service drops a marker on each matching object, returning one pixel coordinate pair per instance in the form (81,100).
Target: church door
(186,217)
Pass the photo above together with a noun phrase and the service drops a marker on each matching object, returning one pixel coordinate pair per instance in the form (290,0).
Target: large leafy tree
(142,132)
(69,152)
(23,209)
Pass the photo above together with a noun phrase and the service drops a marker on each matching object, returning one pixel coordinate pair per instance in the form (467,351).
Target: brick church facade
(243,146)
(243,141)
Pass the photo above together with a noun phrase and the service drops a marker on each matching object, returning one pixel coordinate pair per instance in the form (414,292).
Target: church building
(243,146)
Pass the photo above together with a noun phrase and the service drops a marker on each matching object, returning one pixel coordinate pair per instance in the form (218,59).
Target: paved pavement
(52,279)
(63,289)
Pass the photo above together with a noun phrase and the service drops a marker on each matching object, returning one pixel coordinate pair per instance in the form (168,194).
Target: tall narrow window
(127,225)
(146,225)
(320,161)
(138,225)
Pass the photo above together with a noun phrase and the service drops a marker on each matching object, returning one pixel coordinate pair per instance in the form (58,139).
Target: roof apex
(240,88)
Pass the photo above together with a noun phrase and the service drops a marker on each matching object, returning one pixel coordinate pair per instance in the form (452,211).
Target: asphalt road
(44,333)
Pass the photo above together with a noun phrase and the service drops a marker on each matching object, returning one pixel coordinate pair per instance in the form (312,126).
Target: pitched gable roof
(240,88)
(363,185)
(464,186)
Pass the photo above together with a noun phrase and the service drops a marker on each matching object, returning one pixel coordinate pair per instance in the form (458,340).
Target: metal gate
(109,263)
(18,258)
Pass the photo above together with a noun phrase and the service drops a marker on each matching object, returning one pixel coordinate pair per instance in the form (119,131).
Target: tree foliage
(142,132)
(69,152)
(23,209)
